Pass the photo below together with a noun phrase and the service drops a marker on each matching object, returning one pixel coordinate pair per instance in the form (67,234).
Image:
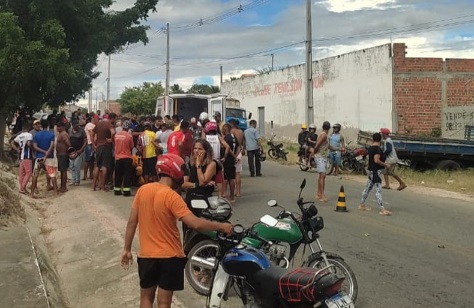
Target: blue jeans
(75,166)
(335,157)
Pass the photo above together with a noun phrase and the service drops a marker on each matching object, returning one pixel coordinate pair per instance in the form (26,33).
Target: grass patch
(10,208)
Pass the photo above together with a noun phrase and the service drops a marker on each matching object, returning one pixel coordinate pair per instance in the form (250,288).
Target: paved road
(422,256)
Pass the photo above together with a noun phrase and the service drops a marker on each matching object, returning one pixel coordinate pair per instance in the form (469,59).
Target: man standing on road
(239,135)
(229,160)
(123,146)
(392,159)
(336,147)
(321,151)
(253,147)
(63,145)
(102,137)
(43,144)
(376,165)
(25,155)
(156,209)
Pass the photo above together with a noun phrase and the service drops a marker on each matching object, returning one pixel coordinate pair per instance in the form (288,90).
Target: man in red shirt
(123,161)
(181,142)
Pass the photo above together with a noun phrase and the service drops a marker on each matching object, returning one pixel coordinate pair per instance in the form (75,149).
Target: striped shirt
(22,140)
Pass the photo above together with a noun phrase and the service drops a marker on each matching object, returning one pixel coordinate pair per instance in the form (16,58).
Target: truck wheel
(448,165)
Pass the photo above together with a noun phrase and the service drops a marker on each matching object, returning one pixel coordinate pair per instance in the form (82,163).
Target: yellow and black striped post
(341,201)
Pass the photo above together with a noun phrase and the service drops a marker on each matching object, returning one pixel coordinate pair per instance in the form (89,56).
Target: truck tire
(448,165)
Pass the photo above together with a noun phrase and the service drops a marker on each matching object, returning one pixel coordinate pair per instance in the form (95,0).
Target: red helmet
(171,165)
(210,126)
(384,131)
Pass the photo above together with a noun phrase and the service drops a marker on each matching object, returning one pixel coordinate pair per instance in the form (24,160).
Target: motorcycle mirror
(303,184)
(269,220)
(272,203)
(199,204)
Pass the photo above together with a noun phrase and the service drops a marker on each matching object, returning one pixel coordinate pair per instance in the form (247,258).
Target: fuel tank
(286,230)
(244,260)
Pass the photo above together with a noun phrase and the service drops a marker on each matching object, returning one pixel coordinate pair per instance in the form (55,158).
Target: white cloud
(233,43)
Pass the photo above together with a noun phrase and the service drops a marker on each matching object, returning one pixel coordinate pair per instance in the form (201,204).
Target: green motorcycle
(291,231)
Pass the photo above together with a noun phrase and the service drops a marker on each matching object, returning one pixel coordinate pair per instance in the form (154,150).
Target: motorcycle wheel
(283,156)
(199,277)
(329,167)
(272,153)
(349,286)
(302,163)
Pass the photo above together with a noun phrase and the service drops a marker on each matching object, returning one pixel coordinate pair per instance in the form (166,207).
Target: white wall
(354,89)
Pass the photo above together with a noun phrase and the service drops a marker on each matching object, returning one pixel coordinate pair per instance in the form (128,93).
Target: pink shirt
(88,128)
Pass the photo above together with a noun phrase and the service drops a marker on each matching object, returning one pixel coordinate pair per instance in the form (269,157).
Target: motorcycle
(201,247)
(355,160)
(261,285)
(276,151)
(302,158)
(291,231)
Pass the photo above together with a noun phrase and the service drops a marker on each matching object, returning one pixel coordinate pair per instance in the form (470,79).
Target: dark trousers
(255,165)
(123,176)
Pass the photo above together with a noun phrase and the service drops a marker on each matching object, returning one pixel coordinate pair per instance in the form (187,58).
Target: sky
(241,36)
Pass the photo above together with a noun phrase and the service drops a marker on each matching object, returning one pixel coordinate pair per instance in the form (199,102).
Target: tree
(141,100)
(49,48)
(176,89)
(203,89)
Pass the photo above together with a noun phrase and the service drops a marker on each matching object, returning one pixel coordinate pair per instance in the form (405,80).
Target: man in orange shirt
(123,141)
(156,210)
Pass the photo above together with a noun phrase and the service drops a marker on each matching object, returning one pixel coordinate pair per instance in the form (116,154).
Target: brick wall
(423,88)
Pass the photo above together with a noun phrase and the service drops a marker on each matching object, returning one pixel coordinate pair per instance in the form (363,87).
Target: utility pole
(108,88)
(272,61)
(96,101)
(167,82)
(220,86)
(89,105)
(309,67)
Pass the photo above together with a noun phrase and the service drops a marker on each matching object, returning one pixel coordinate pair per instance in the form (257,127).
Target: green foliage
(176,89)
(436,132)
(203,89)
(141,100)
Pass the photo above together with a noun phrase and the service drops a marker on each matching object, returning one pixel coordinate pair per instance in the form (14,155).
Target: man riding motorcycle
(311,139)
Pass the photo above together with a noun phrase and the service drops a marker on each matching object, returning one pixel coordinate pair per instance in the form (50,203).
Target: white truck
(191,105)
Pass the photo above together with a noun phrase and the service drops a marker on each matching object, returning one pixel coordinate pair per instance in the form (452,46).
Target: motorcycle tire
(349,286)
(198,277)
(272,153)
(283,156)
(302,163)
(329,167)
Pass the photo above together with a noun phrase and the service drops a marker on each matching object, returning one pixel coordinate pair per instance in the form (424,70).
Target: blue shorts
(88,153)
(335,157)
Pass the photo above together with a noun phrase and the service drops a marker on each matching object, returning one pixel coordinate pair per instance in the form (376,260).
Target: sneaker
(259,174)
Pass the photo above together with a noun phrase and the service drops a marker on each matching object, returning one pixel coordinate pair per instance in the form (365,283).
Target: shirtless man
(239,135)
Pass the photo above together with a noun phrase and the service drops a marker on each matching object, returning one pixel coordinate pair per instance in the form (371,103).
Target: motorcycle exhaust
(207,263)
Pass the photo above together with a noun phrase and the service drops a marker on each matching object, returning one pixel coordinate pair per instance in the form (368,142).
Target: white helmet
(312,126)
(203,116)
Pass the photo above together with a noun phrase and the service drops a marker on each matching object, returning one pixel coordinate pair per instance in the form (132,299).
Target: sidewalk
(21,284)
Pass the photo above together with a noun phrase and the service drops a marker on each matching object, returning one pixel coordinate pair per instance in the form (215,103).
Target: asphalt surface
(422,256)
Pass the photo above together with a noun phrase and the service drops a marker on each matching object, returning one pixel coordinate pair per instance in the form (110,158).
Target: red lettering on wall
(318,82)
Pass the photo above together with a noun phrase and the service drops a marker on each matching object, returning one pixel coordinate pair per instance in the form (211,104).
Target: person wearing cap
(147,145)
(336,147)
(391,158)
(36,127)
(195,128)
(303,135)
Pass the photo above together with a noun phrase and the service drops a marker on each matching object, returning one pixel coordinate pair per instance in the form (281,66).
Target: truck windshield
(236,113)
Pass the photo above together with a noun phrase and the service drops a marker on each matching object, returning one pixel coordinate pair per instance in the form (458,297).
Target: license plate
(359,157)
(339,301)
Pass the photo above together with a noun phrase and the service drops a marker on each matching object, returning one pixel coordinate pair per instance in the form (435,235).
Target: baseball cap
(36,122)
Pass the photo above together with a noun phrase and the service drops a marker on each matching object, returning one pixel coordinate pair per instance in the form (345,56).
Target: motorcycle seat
(302,284)
(279,145)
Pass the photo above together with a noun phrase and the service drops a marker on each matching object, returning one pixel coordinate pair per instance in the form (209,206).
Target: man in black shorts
(229,159)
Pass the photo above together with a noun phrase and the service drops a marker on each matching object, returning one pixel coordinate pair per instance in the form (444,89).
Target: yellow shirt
(148,147)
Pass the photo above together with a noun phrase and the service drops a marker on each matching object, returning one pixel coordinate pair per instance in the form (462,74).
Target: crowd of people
(119,152)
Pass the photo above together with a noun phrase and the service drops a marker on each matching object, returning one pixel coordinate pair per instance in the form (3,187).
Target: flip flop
(401,187)
(385,213)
